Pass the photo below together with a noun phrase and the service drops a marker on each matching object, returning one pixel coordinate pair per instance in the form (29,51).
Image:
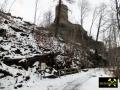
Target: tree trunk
(117,14)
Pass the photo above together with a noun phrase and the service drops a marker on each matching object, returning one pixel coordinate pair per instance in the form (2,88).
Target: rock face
(2,32)
(73,33)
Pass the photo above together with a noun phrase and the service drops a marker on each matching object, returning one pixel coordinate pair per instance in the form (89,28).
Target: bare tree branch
(84,9)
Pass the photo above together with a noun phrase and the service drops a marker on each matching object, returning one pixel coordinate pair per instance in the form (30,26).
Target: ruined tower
(63,14)
(70,32)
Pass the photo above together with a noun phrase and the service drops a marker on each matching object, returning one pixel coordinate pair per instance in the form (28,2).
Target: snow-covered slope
(16,41)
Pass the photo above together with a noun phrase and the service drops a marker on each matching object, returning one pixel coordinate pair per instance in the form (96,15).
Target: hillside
(24,53)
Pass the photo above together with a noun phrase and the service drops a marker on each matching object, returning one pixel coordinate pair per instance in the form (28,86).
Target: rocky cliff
(73,33)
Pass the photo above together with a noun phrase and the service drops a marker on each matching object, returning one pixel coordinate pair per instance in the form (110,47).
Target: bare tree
(48,18)
(101,23)
(4,5)
(84,9)
(117,13)
(114,36)
(101,18)
(112,40)
(115,9)
(11,6)
(36,4)
(94,16)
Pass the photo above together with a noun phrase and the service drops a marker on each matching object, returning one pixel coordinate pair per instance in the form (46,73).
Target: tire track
(75,84)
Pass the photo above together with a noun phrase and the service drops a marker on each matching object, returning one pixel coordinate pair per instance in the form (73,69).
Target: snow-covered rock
(16,39)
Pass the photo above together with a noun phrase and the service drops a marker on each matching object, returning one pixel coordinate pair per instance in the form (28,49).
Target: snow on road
(79,81)
(75,84)
(86,81)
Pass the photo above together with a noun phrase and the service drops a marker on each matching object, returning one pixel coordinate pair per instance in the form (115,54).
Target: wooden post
(59,73)
(41,75)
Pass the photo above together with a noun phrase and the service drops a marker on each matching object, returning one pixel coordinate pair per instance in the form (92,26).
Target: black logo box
(108,82)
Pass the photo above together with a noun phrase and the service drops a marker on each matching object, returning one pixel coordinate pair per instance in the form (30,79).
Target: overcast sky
(25,9)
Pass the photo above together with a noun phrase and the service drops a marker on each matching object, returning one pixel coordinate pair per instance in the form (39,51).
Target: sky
(26,9)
